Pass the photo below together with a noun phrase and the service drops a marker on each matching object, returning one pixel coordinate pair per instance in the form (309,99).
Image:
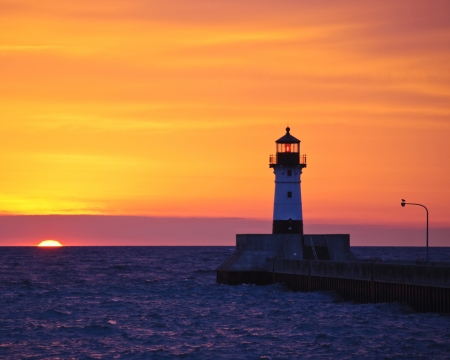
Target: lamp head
(403,203)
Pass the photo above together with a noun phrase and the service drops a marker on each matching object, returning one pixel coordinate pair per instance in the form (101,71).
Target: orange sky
(165,108)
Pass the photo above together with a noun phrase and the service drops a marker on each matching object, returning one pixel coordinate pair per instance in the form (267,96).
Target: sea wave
(147,302)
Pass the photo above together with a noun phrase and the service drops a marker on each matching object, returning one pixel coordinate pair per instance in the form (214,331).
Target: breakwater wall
(426,288)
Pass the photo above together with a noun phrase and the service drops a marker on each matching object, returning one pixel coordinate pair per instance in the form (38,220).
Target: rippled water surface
(163,302)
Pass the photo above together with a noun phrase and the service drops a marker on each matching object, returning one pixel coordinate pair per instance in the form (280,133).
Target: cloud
(171,107)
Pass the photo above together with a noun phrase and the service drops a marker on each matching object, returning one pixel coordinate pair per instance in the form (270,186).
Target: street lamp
(403,203)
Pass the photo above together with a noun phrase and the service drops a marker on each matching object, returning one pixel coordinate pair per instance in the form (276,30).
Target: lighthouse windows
(287,148)
(289,194)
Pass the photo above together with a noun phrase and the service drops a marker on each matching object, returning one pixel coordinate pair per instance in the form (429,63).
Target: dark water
(163,302)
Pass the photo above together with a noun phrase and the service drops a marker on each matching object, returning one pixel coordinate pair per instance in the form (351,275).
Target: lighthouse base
(253,250)
(287,227)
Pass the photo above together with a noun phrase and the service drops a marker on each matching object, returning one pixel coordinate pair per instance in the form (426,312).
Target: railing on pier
(424,287)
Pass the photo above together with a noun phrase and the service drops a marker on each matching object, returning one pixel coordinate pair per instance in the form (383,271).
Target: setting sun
(48,243)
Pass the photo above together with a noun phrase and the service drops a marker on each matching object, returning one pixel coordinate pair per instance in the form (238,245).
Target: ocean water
(164,303)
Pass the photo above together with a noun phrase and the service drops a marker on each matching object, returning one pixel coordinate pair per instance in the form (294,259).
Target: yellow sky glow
(171,109)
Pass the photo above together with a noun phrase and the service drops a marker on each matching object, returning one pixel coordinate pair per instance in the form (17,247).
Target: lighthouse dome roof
(288,138)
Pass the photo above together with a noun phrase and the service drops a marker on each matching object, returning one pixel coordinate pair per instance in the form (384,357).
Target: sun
(48,243)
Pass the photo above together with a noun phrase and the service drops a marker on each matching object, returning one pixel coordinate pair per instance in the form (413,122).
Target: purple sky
(148,231)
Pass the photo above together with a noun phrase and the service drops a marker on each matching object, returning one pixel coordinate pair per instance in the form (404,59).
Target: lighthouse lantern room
(287,166)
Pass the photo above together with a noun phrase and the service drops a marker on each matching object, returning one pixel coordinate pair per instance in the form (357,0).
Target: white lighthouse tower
(287,166)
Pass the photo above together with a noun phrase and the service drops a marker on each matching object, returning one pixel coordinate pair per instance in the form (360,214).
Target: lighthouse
(261,258)
(287,166)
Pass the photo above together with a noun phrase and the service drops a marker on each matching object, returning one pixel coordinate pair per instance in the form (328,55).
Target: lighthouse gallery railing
(273,159)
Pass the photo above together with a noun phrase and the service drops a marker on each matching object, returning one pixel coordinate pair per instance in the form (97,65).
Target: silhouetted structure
(324,262)
(287,167)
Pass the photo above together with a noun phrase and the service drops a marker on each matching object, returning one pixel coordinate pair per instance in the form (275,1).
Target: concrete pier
(324,262)
(268,259)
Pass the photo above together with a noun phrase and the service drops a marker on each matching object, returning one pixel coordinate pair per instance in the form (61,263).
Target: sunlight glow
(170,108)
(50,243)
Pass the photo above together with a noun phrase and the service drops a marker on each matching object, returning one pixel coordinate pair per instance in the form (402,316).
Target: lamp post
(403,203)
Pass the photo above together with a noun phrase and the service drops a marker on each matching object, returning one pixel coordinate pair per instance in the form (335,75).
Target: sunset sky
(169,110)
